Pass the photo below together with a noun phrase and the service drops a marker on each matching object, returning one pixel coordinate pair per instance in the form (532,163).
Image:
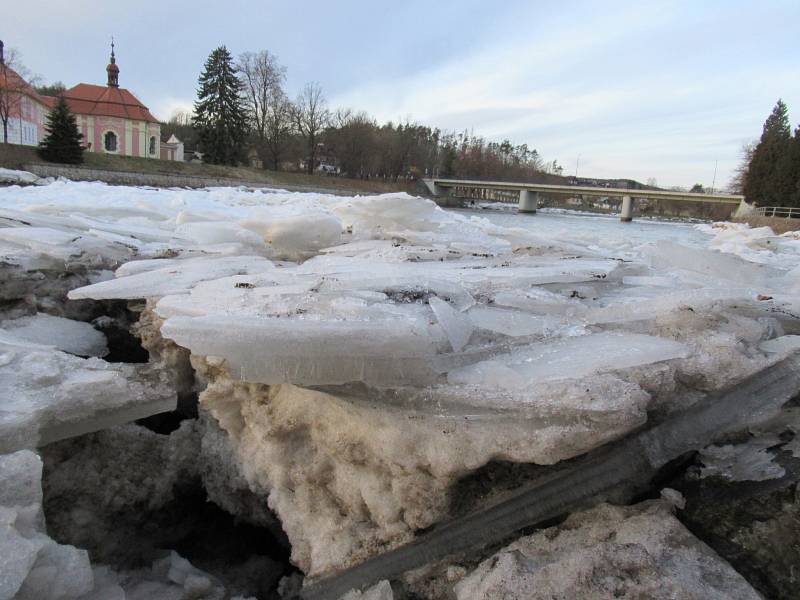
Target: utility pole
(577,164)
(714,180)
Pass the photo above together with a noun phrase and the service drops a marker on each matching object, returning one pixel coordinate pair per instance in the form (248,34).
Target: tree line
(769,174)
(242,111)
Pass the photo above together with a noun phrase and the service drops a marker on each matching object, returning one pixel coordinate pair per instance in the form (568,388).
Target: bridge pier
(626,214)
(528,201)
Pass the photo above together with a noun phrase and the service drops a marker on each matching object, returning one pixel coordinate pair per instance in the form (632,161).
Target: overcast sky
(661,89)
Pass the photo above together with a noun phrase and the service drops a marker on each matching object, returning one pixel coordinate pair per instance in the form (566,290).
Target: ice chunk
(20,480)
(511,322)
(383,352)
(174,278)
(60,571)
(295,236)
(49,241)
(456,325)
(639,551)
(713,265)
(750,461)
(33,566)
(48,395)
(219,232)
(13,176)
(380,591)
(636,308)
(17,555)
(539,301)
(75,337)
(569,358)
(649,280)
(779,345)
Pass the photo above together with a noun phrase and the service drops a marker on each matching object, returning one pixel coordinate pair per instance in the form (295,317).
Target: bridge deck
(576,190)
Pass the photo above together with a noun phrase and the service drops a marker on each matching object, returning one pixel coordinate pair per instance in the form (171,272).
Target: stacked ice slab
(393,291)
(390,290)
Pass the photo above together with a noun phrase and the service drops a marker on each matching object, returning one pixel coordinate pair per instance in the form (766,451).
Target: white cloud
(165,108)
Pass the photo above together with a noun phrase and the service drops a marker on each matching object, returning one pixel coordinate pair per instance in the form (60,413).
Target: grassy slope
(14,157)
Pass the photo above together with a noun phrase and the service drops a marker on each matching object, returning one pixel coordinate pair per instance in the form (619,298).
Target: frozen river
(587,227)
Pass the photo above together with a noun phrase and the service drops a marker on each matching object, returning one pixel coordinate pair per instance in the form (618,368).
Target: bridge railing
(787,212)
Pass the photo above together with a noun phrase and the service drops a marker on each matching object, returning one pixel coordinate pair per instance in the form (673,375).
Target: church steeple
(112,69)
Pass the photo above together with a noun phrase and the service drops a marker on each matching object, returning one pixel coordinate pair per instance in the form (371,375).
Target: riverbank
(126,170)
(777,224)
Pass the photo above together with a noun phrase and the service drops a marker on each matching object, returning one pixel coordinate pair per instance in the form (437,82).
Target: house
(111,119)
(172,149)
(22,108)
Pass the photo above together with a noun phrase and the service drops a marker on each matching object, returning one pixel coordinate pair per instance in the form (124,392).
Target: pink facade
(27,110)
(111,119)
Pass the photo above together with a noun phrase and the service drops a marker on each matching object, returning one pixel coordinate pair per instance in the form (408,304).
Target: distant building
(172,149)
(111,119)
(27,109)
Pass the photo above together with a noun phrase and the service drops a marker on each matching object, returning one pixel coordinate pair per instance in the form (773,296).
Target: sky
(664,90)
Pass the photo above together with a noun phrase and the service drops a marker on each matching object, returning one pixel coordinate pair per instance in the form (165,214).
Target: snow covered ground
(357,356)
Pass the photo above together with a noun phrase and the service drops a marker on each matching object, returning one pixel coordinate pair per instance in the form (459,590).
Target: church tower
(112,69)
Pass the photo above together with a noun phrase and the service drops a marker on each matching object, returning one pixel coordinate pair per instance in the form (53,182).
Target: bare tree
(262,81)
(13,87)
(278,130)
(736,185)
(354,138)
(311,116)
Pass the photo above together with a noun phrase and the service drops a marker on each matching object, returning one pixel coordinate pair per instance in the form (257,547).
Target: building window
(110,141)
(153,145)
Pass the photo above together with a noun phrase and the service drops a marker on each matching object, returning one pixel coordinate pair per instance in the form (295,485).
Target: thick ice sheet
(48,395)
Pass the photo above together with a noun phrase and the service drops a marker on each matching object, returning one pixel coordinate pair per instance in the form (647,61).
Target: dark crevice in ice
(166,423)
(249,560)
(754,525)
(115,320)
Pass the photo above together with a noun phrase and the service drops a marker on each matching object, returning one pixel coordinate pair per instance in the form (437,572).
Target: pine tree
(794,169)
(769,181)
(63,141)
(219,114)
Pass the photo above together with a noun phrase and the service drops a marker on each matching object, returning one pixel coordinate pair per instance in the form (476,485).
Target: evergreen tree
(769,179)
(794,169)
(219,114)
(63,141)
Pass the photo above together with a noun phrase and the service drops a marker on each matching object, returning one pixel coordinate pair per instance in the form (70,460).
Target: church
(111,119)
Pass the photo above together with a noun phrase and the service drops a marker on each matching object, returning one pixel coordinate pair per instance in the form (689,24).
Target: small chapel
(111,119)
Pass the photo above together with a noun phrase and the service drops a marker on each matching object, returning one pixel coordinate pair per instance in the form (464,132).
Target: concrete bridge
(529,193)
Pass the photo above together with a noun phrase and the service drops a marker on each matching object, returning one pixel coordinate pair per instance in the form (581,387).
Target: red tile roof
(12,80)
(106,101)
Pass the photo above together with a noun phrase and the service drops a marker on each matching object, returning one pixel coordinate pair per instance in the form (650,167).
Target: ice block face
(74,337)
(312,352)
(48,395)
(569,358)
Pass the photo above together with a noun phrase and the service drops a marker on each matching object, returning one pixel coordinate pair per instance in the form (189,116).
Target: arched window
(153,145)
(110,141)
